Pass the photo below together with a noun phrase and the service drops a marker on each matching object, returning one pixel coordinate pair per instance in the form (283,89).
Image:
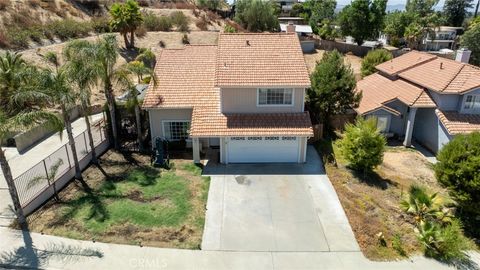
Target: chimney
(291,27)
(463,55)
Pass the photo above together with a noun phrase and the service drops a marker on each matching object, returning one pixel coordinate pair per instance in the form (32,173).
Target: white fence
(36,185)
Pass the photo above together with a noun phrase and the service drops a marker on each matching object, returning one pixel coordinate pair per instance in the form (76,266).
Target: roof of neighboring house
(444,75)
(433,72)
(299,28)
(457,123)
(403,62)
(378,91)
(246,60)
(208,121)
(184,78)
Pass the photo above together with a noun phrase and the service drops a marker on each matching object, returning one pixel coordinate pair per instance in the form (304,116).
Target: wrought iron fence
(45,173)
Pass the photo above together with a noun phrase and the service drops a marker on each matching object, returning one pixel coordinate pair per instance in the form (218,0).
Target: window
(382,123)
(254,138)
(272,138)
(176,130)
(238,138)
(289,138)
(275,96)
(472,102)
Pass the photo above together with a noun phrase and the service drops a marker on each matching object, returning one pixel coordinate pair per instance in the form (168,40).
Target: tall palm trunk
(71,142)
(89,131)
(7,173)
(132,40)
(113,114)
(125,38)
(139,128)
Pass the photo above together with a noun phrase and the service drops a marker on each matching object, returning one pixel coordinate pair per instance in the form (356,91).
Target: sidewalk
(33,250)
(19,163)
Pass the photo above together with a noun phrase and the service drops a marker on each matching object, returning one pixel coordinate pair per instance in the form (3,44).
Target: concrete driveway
(275,207)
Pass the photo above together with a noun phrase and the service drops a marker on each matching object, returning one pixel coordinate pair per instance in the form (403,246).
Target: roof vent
(247,42)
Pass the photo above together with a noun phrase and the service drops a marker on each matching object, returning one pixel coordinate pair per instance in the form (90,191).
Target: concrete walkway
(33,250)
(21,162)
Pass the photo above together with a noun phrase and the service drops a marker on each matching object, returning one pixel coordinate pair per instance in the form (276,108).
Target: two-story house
(423,97)
(244,96)
(442,37)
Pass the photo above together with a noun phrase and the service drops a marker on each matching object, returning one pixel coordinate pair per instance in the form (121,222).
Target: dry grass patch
(127,201)
(355,61)
(371,202)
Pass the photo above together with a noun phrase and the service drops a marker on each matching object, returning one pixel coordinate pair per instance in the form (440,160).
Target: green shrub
(372,59)
(18,38)
(100,24)
(458,169)
(397,245)
(180,21)
(185,39)
(69,28)
(156,23)
(362,145)
(229,29)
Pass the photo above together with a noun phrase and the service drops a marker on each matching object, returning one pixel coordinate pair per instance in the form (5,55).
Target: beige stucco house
(244,96)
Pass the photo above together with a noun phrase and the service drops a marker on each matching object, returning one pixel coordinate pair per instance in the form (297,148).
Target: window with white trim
(272,138)
(382,123)
(176,130)
(289,138)
(275,96)
(254,138)
(238,138)
(472,102)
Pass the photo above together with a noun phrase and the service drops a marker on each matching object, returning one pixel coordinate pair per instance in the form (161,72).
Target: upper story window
(275,96)
(472,102)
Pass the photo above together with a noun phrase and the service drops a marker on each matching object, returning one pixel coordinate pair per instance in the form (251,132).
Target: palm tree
(22,120)
(421,205)
(82,73)
(57,85)
(126,18)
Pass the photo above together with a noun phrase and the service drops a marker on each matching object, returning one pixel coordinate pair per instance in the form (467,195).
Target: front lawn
(125,200)
(371,202)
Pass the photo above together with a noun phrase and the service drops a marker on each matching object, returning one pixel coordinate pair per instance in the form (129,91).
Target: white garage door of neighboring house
(263,149)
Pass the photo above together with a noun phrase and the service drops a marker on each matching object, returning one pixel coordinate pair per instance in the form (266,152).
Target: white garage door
(262,149)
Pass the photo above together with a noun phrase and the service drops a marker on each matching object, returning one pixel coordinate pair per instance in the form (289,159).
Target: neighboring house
(423,97)
(443,37)
(304,32)
(244,96)
(287,5)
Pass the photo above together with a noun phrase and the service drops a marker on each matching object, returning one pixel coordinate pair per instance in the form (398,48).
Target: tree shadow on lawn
(29,256)
(373,179)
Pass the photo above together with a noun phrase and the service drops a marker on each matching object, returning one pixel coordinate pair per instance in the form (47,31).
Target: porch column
(196,150)
(411,121)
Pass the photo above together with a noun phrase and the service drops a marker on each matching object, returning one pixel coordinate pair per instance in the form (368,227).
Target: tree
(126,18)
(471,40)
(455,11)
(57,86)
(211,4)
(332,90)
(362,145)
(319,11)
(458,169)
(395,24)
(423,8)
(374,58)
(256,15)
(327,31)
(81,72)
(362,19)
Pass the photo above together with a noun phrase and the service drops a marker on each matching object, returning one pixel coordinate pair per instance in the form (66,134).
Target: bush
(4,4)
(18,38)
(100,24)
(372,59)
(229,29)
(458,169)
(362,145)
(68,28)
(3,40)
(141,32)
(180,21)
(202,23)
(156,23)
(185,39)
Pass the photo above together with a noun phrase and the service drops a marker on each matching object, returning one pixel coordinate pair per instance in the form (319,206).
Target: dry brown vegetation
(371,201)
(354,61)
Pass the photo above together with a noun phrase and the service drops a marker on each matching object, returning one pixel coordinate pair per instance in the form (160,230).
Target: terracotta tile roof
(185,78)
(260,60)
(457,123)
(378,90)
(208,122)
(404,62)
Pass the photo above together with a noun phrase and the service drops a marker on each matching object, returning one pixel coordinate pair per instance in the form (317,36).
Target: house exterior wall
(381,112)
(398,123)
(461,103)
(244,100)
(443,136)
(425,129)
(159,115)
(446,102)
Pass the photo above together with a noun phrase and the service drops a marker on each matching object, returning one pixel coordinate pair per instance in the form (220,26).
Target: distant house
(423,97)
(443,37)
(243,98)
(304,33)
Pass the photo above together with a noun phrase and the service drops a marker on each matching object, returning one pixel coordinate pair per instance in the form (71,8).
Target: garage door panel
(254,151)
